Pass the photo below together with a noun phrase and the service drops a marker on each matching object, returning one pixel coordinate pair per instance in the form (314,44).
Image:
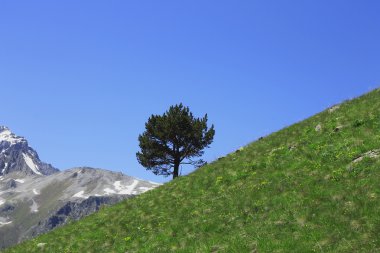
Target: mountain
(311,187)
(17,156)
(35,197)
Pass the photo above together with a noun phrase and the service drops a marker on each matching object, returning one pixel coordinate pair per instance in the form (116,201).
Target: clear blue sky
(79,79)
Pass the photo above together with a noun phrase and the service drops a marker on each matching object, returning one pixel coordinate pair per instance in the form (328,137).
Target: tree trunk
(176,169)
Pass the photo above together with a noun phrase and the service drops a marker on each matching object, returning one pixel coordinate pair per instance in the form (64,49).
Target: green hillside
(312,187)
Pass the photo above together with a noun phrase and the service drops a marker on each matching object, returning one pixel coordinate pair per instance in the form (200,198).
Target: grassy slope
(296,190)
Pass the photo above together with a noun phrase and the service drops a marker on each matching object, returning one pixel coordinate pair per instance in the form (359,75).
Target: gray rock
(10,184)
(41,245)
(334,108)
(7,208)
(370,154)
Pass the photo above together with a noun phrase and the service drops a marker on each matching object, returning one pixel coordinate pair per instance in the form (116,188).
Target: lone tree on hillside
(173,139)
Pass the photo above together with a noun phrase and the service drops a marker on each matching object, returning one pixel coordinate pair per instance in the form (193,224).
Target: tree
(173,139)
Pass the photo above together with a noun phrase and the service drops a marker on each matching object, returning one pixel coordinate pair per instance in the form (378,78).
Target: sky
(79,79)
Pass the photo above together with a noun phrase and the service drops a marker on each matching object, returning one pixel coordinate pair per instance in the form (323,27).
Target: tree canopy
(172,139)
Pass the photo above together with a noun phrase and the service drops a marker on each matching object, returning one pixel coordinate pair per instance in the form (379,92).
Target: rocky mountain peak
(7,138)
(17,157)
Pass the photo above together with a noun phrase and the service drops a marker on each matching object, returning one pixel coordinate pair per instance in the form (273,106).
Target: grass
(296,190)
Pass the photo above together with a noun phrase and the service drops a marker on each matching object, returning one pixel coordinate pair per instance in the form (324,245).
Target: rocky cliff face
(73,211)
(35,197)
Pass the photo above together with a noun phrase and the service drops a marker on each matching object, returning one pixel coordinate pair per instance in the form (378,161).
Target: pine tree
(172,139)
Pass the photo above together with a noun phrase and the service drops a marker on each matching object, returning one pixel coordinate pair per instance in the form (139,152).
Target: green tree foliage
(173,139)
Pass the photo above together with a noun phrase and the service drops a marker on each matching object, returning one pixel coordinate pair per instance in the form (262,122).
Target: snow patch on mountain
(155,183)
(80,195)
(3,223)
(31,164)
(109,191)
(144,189)
(34,207)
(125,189)
(8,136)
(5,166)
